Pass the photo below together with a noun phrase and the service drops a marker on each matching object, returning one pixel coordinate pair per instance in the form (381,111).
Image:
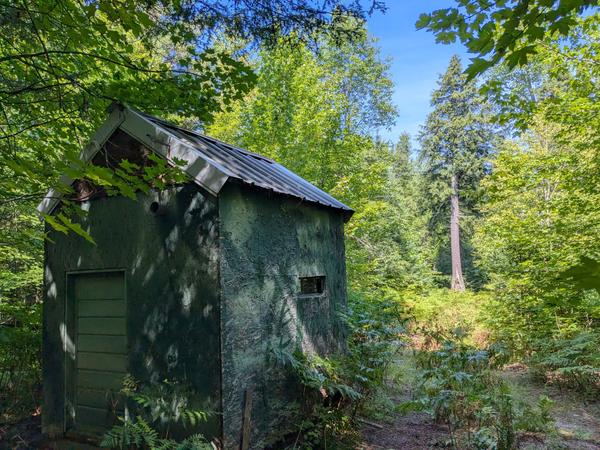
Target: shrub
(20,351)
(458,385)
(154,409)
(333,390)
(443,310)
(572,362)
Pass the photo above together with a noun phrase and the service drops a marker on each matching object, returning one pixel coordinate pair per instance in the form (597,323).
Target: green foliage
(64,62)
(571,362)
(457,142)
(317,114)
(457,137)
(119,178)
(446,311)
(333,390)
(377,332)
(538,237)
(458,385)
(503,30)
(541,221)
(21,250)
(20,365)
(556,84)
(388,250)
(134,433)
(151,413)
(314,114)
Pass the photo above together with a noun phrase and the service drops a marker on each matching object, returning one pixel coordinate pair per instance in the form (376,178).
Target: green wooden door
(101,349)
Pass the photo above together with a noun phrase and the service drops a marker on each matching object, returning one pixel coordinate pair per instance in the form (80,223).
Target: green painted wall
(171,272)
(267,242)
(248,249)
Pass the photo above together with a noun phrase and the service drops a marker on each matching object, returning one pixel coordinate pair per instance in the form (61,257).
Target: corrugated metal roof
(208,161)
(251,168)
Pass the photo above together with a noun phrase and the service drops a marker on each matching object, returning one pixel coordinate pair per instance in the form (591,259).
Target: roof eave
(115,118)
(207,174)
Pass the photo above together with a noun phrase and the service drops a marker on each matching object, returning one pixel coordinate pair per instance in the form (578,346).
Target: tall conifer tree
(456,142)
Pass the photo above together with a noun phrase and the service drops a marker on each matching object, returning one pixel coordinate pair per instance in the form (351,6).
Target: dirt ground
(414,431)
(577,422)
(24,434)
(411,431)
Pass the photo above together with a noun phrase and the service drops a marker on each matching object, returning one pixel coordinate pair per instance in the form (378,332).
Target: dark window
(312,285)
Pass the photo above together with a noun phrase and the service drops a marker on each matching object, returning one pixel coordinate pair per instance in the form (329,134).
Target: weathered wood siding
(170,265)
(99,319)
(267,242)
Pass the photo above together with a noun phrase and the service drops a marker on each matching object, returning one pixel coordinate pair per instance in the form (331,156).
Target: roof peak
(209,162)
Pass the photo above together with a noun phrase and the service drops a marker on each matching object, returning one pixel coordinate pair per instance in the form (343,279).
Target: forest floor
(577,422)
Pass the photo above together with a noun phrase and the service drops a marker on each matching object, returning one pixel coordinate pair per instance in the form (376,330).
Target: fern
(131,433)
(163,404)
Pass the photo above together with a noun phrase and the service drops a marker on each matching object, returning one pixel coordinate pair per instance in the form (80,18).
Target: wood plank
(100,286)
(102,361)
(102,308)
(87,417)
(101,325)
(99,379)
(100,398)
(102,343)
(247,419)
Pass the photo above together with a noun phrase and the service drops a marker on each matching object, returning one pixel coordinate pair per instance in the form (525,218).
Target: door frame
(69,338)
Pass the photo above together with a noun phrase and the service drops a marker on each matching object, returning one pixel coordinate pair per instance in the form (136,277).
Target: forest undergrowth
(497,197)
(452,387)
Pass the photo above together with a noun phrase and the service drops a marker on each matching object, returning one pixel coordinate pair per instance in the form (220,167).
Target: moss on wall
(267,242)
(171,271)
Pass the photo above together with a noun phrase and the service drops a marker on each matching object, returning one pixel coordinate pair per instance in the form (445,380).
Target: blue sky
(417,61)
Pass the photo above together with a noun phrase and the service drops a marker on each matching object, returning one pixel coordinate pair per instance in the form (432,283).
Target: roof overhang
(201,167)
(208,174)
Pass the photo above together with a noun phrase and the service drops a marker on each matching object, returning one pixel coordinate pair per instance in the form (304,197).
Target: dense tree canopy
(319,116)
(62,63)
(538,235)
(503,30)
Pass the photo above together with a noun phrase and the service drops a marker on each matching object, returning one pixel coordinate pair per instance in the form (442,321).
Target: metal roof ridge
(209,162)
(205,136)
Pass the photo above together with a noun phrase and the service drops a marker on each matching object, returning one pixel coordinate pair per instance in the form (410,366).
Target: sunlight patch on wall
(67,343)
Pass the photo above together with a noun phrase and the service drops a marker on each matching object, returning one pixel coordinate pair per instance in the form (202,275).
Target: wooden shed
(196,283)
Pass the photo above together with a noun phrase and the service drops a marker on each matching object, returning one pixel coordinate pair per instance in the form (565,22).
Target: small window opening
(312,285)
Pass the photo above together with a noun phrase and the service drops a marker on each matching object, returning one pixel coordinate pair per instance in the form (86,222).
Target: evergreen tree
(456,141)
(402,166)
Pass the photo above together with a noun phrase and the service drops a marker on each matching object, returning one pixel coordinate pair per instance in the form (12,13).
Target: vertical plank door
(101,361)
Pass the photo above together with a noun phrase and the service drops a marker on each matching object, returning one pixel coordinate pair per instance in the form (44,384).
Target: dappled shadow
(170,266)
(211,289)
(267,244)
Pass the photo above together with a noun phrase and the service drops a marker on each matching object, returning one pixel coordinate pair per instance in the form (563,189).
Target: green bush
(20,359)
(572,362)
(332,391)
(443,310)
(149,415)
(458,384)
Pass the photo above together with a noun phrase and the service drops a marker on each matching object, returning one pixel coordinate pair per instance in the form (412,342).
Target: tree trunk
(458,282)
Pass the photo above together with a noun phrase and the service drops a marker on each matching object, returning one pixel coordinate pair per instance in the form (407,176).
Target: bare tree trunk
(458,282)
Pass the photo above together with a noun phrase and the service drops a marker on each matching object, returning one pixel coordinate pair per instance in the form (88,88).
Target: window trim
(322,279)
